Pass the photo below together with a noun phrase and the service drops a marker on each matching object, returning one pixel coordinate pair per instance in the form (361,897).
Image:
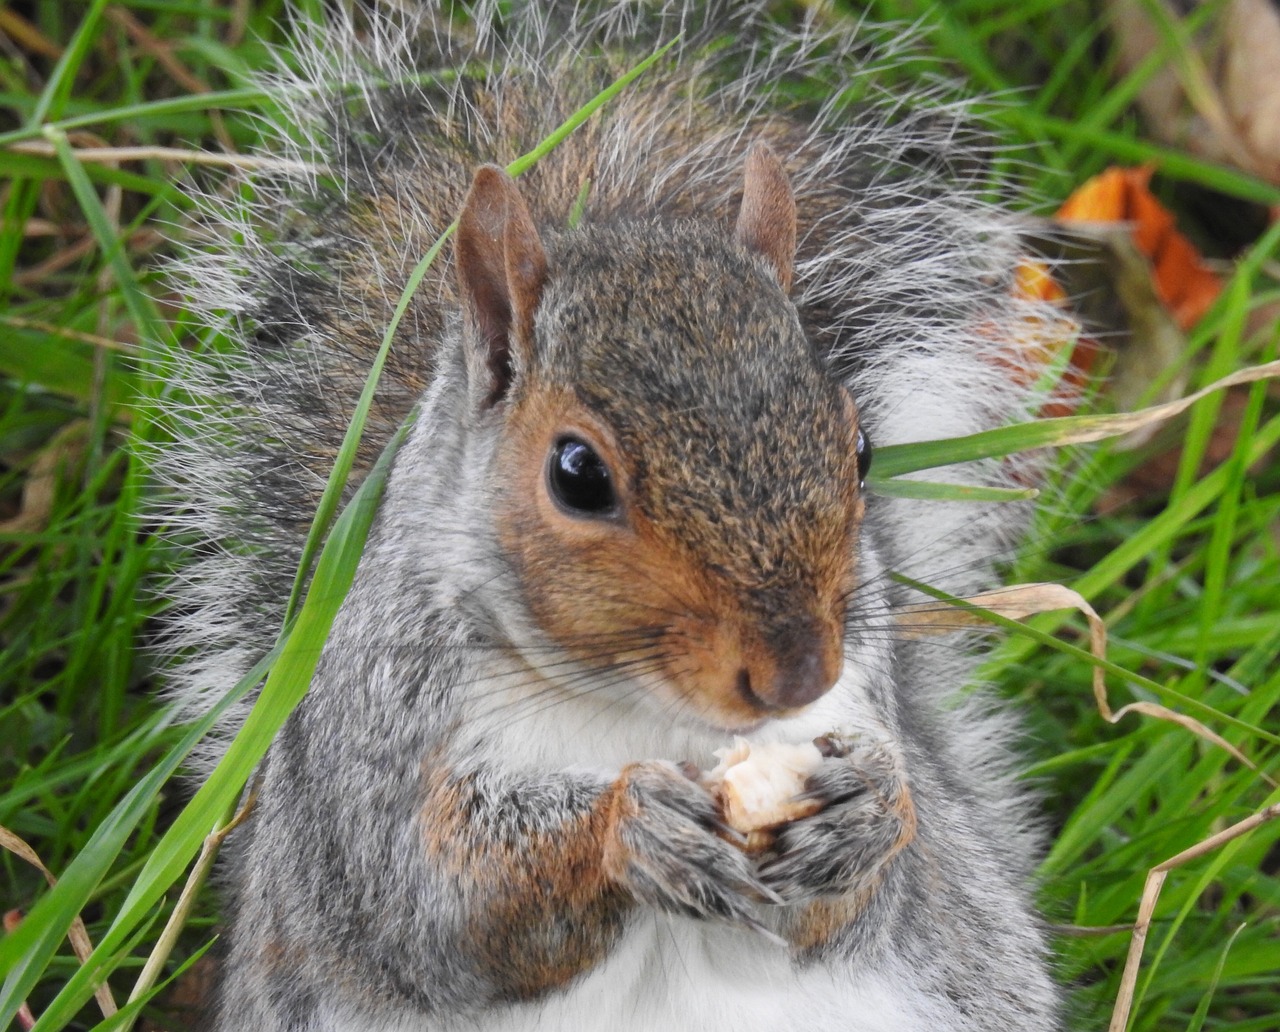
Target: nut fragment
(757,786)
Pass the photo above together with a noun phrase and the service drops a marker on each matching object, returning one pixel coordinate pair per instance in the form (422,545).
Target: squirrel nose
(798,669)
(798,679)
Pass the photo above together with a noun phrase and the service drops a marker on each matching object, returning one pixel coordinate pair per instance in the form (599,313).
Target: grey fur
(843,847)
(677,861)
(355,906)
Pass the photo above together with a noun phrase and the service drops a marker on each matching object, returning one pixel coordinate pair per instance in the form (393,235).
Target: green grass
(1187,576)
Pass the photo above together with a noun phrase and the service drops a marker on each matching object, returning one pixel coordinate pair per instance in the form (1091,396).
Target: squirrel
(630,523)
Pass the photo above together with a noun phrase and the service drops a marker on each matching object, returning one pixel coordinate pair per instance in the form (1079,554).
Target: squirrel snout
(799,666)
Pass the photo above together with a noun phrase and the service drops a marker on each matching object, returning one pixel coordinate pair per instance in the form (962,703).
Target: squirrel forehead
(665,308)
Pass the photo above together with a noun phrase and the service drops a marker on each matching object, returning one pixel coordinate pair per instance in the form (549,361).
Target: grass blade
(26,952)
(286,683)
(141,307)
(896,459)
(931,491)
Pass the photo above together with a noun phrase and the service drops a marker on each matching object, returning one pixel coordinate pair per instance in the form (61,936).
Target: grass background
(1187,571)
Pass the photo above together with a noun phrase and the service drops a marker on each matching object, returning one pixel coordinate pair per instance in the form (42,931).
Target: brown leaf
(64,451)
(1111,287)
(1251,79)
(1035,350)
(26,35)
(1133,277)
(77,933)
(1019,601)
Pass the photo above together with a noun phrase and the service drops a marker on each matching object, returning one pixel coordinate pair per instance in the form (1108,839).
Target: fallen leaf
(1019,601)
(1250,81)
(1040,347)
(1136,280)
(1185,285)
(64,451)
(1110,285)
(26,35)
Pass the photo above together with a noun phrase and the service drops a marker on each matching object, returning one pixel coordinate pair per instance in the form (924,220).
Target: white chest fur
(671,972)
(674,974)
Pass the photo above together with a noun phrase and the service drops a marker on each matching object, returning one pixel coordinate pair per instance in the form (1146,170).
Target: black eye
(579,479)
(863,454)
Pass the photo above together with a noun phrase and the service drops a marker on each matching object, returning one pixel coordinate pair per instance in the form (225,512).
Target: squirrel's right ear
(501,271)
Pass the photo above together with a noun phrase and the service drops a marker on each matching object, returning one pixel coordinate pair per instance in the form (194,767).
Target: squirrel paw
(867,816)
(670,849)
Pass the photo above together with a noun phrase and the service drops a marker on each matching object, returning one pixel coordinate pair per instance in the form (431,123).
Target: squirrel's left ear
(767,220)
(501,271)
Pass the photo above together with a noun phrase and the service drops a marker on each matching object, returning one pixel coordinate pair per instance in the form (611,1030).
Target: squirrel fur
(628,524)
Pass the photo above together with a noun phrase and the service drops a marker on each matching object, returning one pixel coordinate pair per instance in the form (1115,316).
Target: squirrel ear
(767,220)
(501,270)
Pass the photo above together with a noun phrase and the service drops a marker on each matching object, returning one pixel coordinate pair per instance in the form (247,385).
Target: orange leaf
(1033,280)
(1101,199)
(1182,281)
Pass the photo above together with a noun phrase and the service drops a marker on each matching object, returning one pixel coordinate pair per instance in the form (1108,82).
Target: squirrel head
(677,481)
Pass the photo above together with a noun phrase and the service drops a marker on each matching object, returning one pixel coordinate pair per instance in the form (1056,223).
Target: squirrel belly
(630,523)
(672,974)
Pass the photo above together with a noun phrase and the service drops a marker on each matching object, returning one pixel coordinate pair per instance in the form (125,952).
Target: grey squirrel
(630,523)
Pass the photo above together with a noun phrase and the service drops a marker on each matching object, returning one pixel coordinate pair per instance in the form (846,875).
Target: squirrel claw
(672,851)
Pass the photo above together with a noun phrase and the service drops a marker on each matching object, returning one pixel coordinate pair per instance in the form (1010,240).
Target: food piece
(758,786)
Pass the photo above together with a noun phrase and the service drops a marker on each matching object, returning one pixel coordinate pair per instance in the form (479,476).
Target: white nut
(757,785)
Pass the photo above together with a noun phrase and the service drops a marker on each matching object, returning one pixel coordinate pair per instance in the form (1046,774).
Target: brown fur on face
(661,601)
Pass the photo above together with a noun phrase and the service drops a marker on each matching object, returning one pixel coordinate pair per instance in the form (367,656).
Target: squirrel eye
(863,454)
(579,479)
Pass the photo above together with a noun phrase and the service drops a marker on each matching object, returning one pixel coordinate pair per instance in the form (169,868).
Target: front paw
(866,817)
(668,847)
